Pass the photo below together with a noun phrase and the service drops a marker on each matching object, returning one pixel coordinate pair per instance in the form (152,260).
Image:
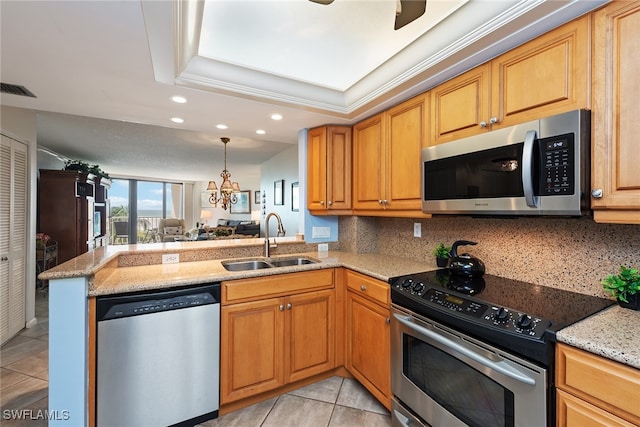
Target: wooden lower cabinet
(269,343)
(368,355)
(594,391)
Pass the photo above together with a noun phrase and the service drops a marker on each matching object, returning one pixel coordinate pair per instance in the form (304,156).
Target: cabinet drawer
(572,411)
(372,288)
(279,285)
(599,381)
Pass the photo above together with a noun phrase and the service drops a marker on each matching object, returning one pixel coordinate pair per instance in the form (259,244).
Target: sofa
(229,227)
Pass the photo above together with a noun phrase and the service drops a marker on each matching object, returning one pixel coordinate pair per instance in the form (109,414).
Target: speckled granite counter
(612,333)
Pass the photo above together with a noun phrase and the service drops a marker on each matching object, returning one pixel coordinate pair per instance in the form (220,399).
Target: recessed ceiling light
(177,120)
(221,126)
(260,132)
(179,99)
(276,116)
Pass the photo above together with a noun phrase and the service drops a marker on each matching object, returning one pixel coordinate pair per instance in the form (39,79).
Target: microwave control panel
(558,165)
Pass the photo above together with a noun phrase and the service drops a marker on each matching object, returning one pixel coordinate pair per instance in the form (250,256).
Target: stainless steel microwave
(536,168)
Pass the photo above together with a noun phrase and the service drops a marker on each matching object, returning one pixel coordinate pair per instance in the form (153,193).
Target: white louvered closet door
(13,236)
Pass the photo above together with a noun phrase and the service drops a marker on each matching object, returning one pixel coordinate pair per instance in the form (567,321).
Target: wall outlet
(417,229)
(170,258)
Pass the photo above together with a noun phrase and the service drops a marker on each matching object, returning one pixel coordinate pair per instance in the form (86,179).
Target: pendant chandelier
(228,189)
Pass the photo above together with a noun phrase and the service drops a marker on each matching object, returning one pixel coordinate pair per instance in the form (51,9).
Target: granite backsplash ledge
(566,253)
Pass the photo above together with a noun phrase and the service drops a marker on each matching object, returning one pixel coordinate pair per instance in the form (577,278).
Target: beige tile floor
(334,402)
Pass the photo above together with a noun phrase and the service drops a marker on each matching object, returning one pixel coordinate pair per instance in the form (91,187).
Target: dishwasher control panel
(134,305)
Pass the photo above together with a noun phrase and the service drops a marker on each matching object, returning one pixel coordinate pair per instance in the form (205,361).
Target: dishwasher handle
(136,304)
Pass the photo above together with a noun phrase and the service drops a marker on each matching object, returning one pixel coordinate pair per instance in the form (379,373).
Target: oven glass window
(463,391)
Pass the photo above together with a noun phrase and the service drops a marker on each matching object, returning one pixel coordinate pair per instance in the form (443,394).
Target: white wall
(248,183)
(282,166)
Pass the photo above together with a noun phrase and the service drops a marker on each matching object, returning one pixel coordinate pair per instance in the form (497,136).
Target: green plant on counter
(442,251)
(623,284)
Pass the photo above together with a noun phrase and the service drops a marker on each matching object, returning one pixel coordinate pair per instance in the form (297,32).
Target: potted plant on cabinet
(625,287)
(441,253)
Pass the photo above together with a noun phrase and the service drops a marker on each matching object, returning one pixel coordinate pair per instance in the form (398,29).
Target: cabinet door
(310,330)
(368,346)
(251,348)
(616,88)
(368,167)
(338,163)
(460,107)
(406,136)
(317,169)
(546,76)
(574,412)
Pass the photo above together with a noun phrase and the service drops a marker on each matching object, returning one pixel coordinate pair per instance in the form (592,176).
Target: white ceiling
(104,71)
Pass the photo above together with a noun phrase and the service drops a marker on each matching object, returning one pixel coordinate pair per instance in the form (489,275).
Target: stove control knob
(524,322)
(418,287)
(501,315)
(407,283)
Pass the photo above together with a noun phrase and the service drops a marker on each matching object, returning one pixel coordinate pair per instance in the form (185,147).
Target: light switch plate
(417,229)
(320,232)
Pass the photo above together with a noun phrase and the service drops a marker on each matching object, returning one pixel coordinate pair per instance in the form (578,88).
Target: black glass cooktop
(560,307)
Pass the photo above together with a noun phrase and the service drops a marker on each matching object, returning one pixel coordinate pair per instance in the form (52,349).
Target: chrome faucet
(281,233)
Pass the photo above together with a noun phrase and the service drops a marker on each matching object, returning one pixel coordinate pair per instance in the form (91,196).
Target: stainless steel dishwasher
(158,357)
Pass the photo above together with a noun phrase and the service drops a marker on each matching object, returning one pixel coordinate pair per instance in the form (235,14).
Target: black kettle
(465,264)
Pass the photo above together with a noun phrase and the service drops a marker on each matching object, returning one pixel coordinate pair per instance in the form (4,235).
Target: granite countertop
(610,333)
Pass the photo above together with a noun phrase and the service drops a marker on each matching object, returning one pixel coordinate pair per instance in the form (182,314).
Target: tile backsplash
(567,253)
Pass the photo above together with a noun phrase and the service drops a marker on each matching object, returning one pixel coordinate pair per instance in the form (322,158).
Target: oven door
(449,379)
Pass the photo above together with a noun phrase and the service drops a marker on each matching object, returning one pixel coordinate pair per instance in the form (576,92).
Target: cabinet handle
(385,202)
(483,124)
(380,202)
(281,307)
(322,202)
(289,306)
(330,203)
(4,258)
(493,120)
(388,320)
(596,193)
(363,288)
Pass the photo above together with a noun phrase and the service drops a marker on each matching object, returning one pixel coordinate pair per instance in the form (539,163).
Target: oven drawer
(581,373)
(375,289)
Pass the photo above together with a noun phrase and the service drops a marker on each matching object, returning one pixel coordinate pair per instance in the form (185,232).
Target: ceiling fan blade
(325,2)
(410,11)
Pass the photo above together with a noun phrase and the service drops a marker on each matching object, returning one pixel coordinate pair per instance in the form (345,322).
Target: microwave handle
(496,366)
(527,169)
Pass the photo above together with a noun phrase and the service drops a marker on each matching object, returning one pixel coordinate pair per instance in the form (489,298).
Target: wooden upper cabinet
(386,159)
(546,76)
(329,169)
(616,90)
(460,106)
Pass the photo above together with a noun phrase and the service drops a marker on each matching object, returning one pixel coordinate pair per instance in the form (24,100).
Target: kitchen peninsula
(112,270)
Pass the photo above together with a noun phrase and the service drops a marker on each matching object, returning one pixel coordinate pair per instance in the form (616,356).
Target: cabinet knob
(289,306)
(483,124)
(385,202)
(380,202)
(4,258)
(596,193)
(388,320)
(363,288)
(493,120)
(322,202)
(281,307)
(330,203)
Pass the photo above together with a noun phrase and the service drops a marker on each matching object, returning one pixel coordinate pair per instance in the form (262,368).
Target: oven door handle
(500,366)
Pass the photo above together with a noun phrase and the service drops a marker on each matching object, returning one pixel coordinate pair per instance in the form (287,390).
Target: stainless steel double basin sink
(260,263)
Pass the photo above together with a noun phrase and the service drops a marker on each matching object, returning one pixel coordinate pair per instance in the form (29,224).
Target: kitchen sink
(257,264)
(292,261)
(246,265)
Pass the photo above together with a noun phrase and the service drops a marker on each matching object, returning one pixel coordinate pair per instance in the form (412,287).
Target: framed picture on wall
(256,197)
(278,192)
(295,197)
(243,206)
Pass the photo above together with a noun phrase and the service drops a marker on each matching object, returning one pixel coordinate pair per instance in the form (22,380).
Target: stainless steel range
(477,351)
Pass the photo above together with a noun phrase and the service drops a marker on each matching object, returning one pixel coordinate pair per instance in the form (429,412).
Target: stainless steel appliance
(158,357)
(477,351)
(535,168)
